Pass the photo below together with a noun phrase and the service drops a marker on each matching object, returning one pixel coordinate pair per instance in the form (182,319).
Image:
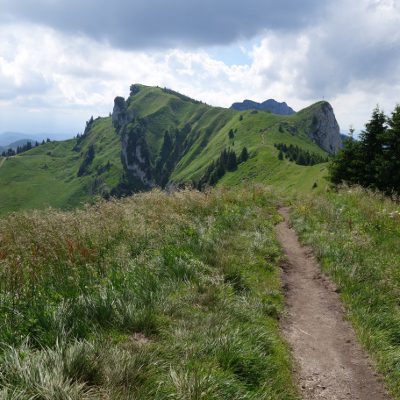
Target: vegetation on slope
(47,175)
(258,133)
(179,138)
(374,160)
(151,297)
(355,234)
(298,155)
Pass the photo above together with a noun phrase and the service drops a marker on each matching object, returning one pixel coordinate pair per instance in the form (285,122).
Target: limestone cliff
(323,128)
(134,150)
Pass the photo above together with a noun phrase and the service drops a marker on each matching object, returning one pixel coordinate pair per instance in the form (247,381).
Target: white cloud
(54,81)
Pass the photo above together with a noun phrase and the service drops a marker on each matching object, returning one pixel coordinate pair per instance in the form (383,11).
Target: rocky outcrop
(324,129)
(120,113)
(134,150)
(135,159)
(270,105)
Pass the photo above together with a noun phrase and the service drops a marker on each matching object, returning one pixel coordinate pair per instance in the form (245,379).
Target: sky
(62,61)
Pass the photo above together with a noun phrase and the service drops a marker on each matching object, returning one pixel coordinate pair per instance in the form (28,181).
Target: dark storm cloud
(162,23)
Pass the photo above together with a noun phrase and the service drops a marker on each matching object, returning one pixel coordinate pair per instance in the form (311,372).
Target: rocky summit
(270,105)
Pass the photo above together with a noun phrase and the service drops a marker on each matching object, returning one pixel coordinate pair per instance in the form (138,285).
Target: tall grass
(356,235)
(152,297)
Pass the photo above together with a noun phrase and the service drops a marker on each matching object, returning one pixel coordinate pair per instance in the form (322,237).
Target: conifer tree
(231,161)
(389,167)
(244,155)
(372,140)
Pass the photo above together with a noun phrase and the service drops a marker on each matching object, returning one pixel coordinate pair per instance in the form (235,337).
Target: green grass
(151,297)
(47,175)
(258,132)
(355,233)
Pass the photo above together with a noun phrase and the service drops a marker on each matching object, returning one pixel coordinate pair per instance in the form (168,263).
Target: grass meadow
(155,296)
(356,235)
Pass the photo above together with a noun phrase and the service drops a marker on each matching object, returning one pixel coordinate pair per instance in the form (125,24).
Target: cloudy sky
(62,61)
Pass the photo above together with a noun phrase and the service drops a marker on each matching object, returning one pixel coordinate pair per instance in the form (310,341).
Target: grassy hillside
(151,297)
(178,296)
(48,175)
(209,135)
(355,234)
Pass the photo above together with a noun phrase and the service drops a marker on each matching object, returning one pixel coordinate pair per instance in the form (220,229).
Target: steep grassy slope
(201,132)
(152,297)
(66,174)
(47,175)
(258,132)
(355,234)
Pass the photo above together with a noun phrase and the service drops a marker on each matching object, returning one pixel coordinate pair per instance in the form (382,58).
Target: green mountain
(161,138)
(267,105)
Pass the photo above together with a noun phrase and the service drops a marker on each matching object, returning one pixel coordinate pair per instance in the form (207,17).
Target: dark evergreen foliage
(164,162)
(244,155)
(134,89)
(8,153)
(89,156)
(226,162)
(172,150)
(298,155)
(20,149)
(374,160)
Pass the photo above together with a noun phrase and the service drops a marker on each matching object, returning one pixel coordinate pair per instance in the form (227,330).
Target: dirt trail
(2,162)
(330,364)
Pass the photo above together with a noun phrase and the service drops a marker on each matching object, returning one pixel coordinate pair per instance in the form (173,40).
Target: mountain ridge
(270,105)
(160,138)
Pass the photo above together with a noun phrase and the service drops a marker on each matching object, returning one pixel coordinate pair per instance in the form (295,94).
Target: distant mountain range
(270,105)
(8,138)
(14,139)
(15,145)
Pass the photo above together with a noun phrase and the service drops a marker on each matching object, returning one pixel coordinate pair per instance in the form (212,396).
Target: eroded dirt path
(330,364)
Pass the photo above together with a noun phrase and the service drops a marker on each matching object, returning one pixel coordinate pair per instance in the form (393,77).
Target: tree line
(227,161)
(21,149)
(374,160)
(298,155)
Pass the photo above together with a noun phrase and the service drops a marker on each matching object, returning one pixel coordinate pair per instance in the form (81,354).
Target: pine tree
(232,161)
(372,141)
(347,166)
(244,155)
(389,165)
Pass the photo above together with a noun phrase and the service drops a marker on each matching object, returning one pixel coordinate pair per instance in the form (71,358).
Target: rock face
(134,150)
(120,113)
(324,129)
(268,105)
